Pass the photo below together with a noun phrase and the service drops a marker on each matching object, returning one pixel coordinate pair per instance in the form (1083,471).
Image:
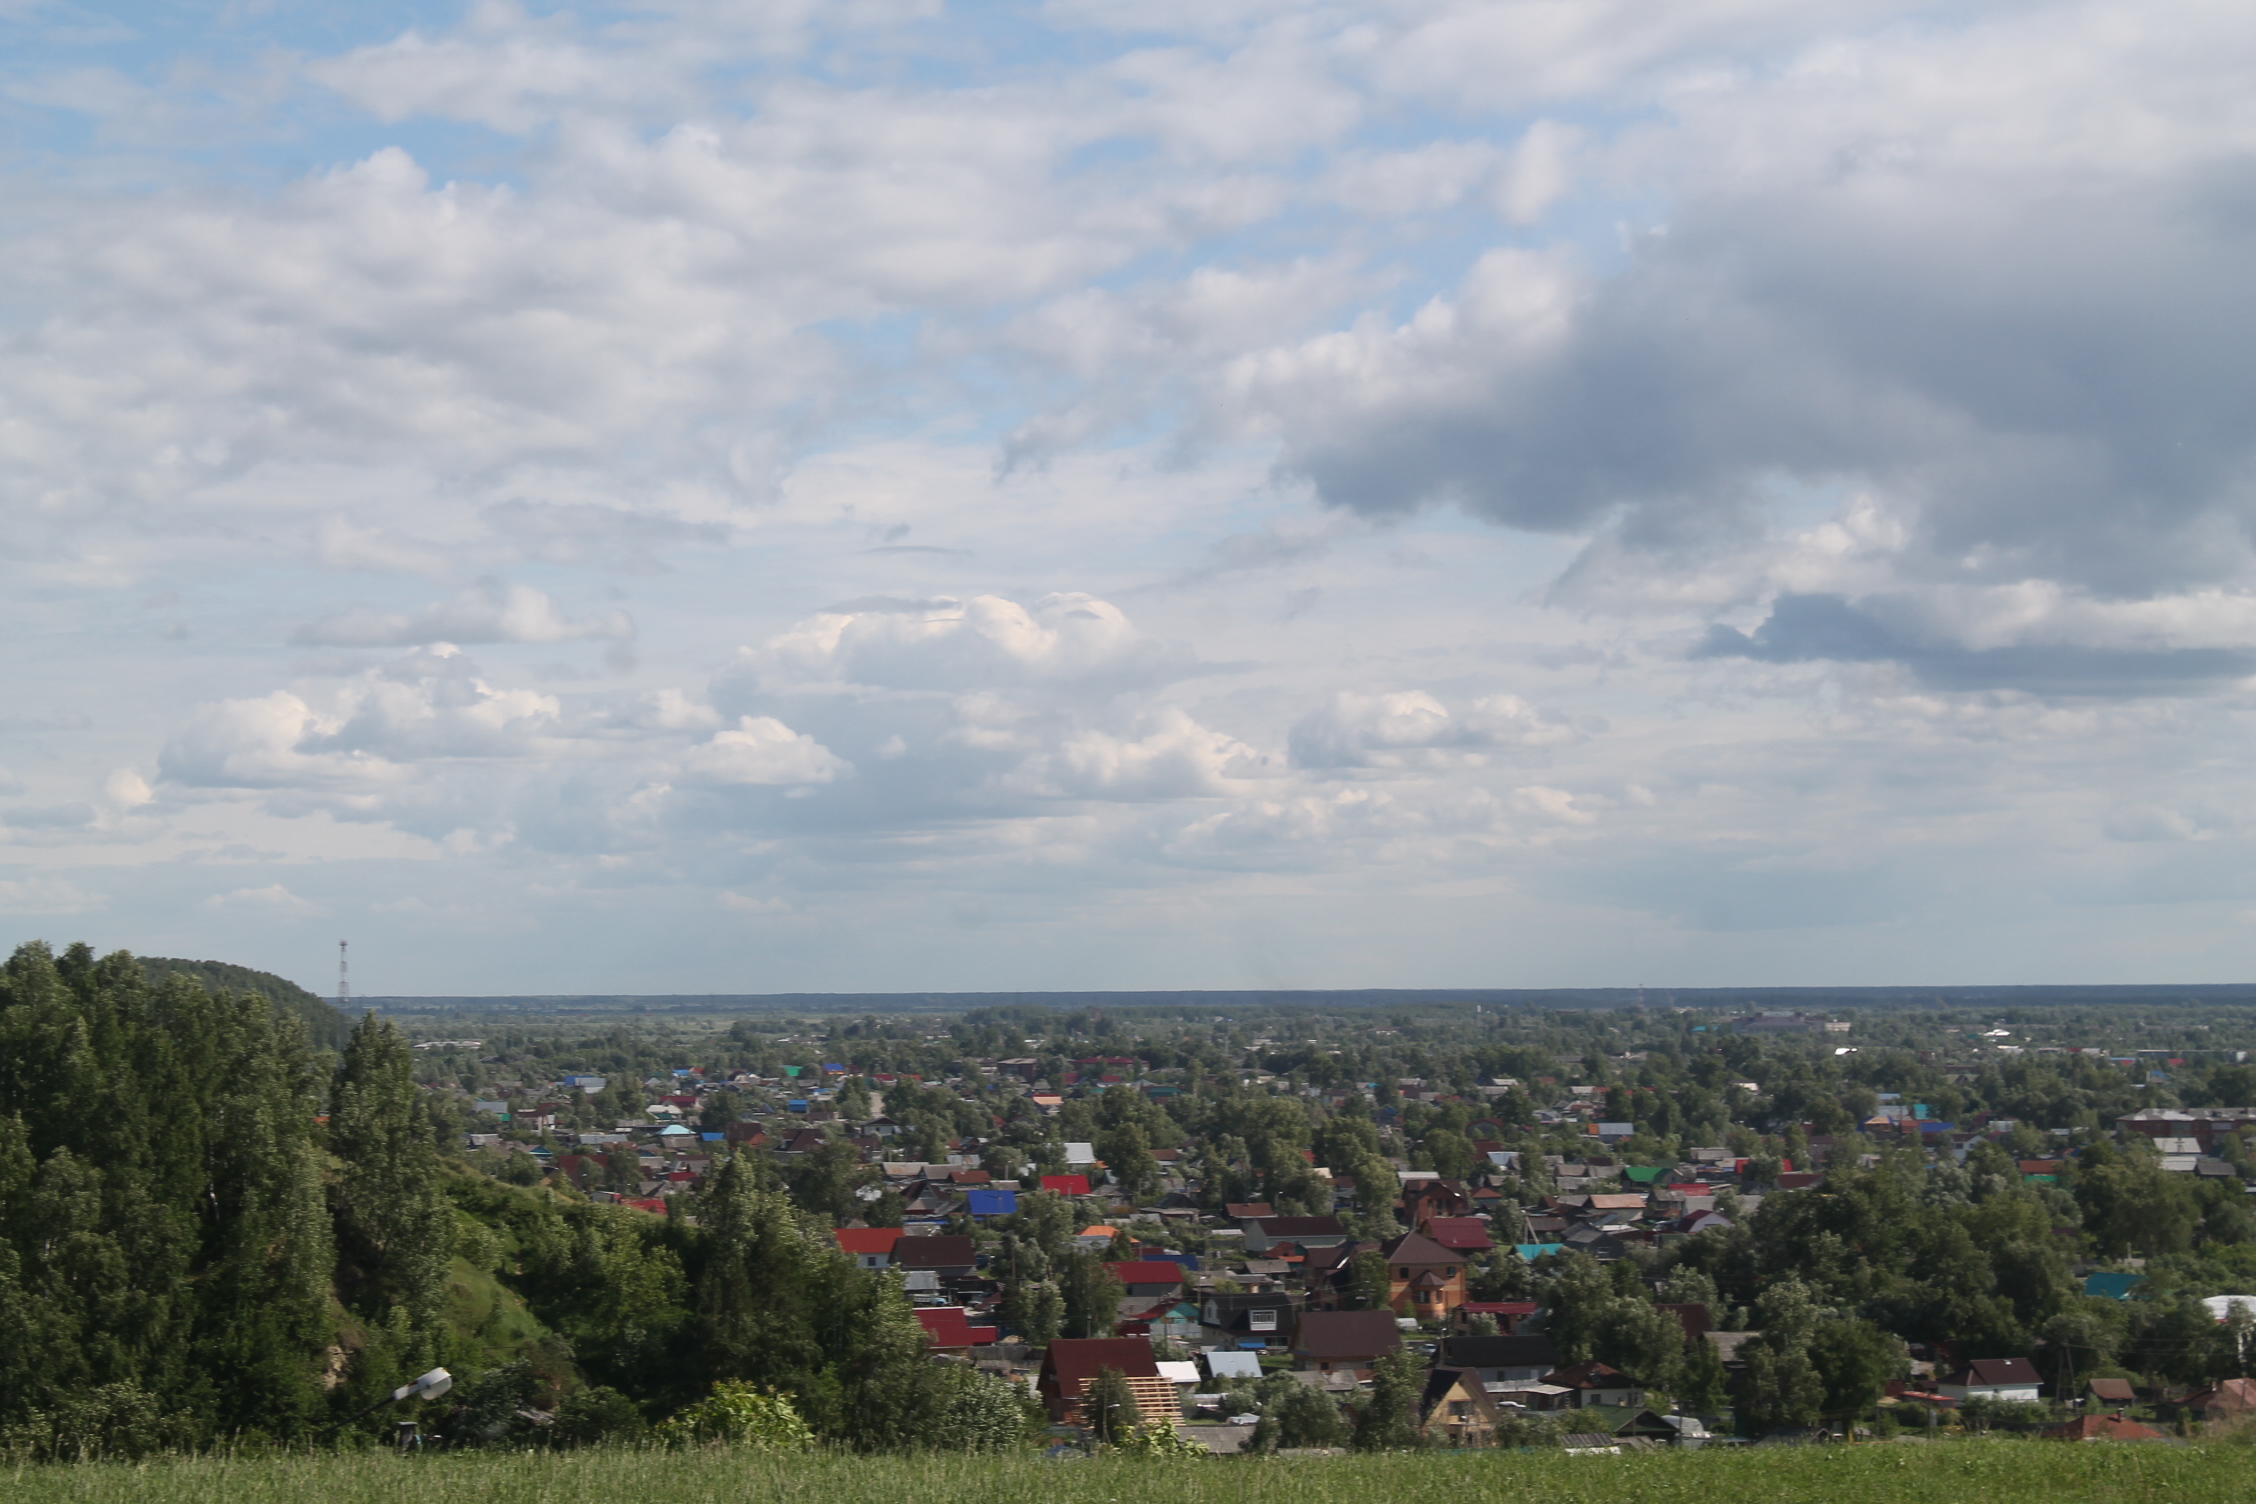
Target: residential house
(2115,1394)
(1595,1383)
(1071,1364)
(983,1202)
(1994,1379)
(1464,1235)
(951,1331)
(1333,1341)
(872,1247)
(949,1258)
(1222,1364)
(1500,1360)
(1265,1233)
(1253,1318)
(1148,1278)
(2233,1399)
(1456,1410)
(1651,1427)
(1424,1279)
(1435,1198)
(1507,1314)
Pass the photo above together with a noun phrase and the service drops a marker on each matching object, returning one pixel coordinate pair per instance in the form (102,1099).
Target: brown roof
(1590,1375)
(1302,1227)
(1244,1209)
(2118,1390)
(1346,1334)
(1417,1248)
(1074,1361)
(1466,1234)
(2102,1428)
(934,1253)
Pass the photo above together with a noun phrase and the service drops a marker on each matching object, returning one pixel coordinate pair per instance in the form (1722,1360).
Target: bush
(111,1420)
(596,1416)
(1160,1439)
(981,1413)
(742,1415)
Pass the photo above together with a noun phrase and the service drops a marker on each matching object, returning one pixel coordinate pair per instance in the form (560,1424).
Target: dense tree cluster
(205,1235)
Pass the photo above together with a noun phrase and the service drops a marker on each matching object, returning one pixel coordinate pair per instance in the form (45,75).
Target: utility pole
(344,981)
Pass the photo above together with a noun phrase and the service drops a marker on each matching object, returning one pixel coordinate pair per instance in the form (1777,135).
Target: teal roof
(2107,1286)
(1534,1251)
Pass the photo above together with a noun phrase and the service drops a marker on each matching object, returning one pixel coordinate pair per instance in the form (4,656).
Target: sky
(1075,494)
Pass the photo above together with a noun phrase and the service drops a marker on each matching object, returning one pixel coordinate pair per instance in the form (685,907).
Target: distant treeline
(1813,999)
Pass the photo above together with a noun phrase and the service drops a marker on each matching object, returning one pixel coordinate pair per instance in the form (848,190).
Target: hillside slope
(323,1022)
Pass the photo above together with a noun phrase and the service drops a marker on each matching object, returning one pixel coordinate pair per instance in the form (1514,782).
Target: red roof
(1153,1273)
(950,1326)
(861,1240)
(647,1204)
(1066,1185)
(1460,1234)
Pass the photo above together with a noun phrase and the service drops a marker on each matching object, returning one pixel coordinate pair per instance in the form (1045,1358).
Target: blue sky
(779,496)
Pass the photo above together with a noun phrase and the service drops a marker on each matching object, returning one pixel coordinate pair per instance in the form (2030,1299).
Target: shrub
(740,1414)
(596,1416)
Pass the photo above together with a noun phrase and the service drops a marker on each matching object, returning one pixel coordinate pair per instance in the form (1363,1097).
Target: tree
(1778,1386)
(1703,1384)
(1033,1310)
(1389,1419)
(1854,1361)
(1092,1295)
(1296,1415)
(1368,1282)
(1108,1407)
(1127,1154)
(393,1225)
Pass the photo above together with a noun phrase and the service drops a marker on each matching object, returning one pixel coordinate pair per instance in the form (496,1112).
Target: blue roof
(712,1138)
(992,1203)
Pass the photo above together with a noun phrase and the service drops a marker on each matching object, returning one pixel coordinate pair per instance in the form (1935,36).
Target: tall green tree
(395,1232)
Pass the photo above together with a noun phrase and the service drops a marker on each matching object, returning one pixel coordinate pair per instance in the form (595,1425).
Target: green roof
(1644,1174)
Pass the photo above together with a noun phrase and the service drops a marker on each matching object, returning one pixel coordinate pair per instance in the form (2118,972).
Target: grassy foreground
(1974,1472)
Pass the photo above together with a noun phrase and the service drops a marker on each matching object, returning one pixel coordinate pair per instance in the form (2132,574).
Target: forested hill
(326,1026)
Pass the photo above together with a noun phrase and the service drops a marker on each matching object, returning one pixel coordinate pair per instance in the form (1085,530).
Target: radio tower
(344,981)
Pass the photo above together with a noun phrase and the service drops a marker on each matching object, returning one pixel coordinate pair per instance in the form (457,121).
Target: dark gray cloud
(2056,379)
(1809,628)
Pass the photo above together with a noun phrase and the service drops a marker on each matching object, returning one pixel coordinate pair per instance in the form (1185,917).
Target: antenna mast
(344,980)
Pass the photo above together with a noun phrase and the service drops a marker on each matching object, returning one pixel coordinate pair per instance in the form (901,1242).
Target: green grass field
(1977,1472)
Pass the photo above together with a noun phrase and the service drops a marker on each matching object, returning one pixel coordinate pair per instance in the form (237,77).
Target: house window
(1450,1272)
(1261,1321)
(1401,1274)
